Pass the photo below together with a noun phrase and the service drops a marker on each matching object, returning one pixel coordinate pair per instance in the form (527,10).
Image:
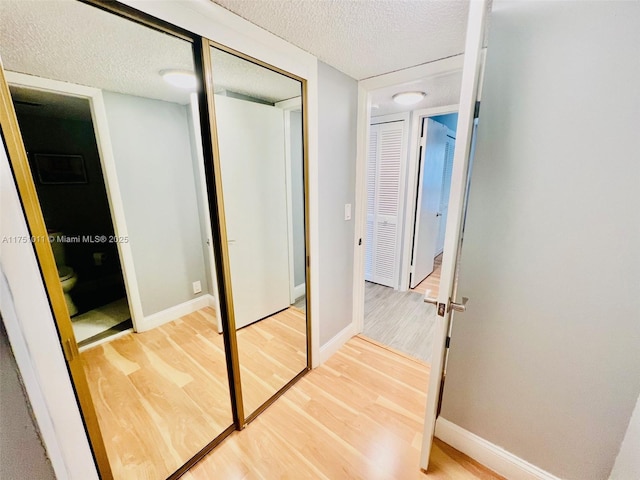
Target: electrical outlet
(347,211)
(197,287)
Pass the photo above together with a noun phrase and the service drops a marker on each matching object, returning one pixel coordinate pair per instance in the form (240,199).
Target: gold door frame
(206,46)
(44,253)
(48,270)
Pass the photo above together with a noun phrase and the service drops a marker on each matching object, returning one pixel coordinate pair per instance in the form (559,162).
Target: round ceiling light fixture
(180,78)
(408,98)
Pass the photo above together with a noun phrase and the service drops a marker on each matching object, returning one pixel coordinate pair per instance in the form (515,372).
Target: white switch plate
(347,211)
(197,287)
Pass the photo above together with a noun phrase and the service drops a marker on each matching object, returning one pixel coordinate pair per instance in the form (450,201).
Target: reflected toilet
(66,274)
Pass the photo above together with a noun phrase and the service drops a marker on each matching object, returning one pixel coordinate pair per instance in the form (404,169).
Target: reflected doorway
(60,140)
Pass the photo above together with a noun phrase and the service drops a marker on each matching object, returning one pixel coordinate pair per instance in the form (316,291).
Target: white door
(384,188)
(427,225)
(446,188)
(468,96)
(251,141)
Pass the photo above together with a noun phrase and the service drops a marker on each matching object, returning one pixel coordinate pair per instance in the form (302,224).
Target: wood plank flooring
(400,320)
(272,352)
(162,395)
(432,282)
(358,416)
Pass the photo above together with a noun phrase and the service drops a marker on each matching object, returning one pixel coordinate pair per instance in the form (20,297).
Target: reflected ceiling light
(180,78)
(408,98)
(375,106)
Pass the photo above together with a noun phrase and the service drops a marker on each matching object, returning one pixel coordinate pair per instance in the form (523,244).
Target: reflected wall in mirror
(260,143)
(132,241)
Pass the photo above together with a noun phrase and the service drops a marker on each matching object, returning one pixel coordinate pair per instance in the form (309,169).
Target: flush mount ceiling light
(408,98)
(180,78)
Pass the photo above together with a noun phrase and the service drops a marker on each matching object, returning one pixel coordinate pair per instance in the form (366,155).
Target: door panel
(446,189)
(452,243)
(372,172)
(428,206)
(256,213)
(384,173)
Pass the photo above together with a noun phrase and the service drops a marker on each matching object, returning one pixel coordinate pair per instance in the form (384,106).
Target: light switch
(347,211)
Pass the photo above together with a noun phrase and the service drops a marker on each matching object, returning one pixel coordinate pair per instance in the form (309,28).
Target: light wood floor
(400,320)
(272,352)
(432,282)
(162,395)
(358,416)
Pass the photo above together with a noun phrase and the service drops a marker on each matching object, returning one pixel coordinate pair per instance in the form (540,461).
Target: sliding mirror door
(260,141)
(107,109)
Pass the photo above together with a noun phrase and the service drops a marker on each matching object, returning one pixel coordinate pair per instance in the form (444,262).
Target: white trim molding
(299,291)
(491,456)
(333,345)
(172,313)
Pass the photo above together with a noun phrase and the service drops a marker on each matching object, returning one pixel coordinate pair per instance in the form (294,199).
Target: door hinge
(359,241)
(308,261)
(447,342)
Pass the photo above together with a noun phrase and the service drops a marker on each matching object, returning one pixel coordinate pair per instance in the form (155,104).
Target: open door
(427,224)
(446,302)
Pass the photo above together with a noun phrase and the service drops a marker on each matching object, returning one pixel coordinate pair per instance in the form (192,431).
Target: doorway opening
(435,158)
(409,169)
(59,136)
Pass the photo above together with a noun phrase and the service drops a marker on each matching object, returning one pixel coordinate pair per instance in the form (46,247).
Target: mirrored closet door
(169,218)
(260,144)
(108,112)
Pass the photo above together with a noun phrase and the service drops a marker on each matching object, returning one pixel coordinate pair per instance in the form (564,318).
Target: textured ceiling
(69,41)
(441,90)
(363,38)
(73,42)
(246,78)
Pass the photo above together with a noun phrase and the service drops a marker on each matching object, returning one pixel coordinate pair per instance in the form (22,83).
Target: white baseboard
(491,456)
(333,345)
(155,320)
(299,291)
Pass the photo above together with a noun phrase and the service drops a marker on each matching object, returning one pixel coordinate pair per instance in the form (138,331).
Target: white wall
(153,157)
(337,98)
(21,452)
(545,362)
(628,461)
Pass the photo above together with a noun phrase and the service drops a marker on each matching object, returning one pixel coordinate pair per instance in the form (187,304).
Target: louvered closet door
(372,173)
(383,205)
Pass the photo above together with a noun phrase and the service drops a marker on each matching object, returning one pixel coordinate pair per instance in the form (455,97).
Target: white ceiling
(70,41)
(363,38)
(73,42)
(241,76)
(441,90)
